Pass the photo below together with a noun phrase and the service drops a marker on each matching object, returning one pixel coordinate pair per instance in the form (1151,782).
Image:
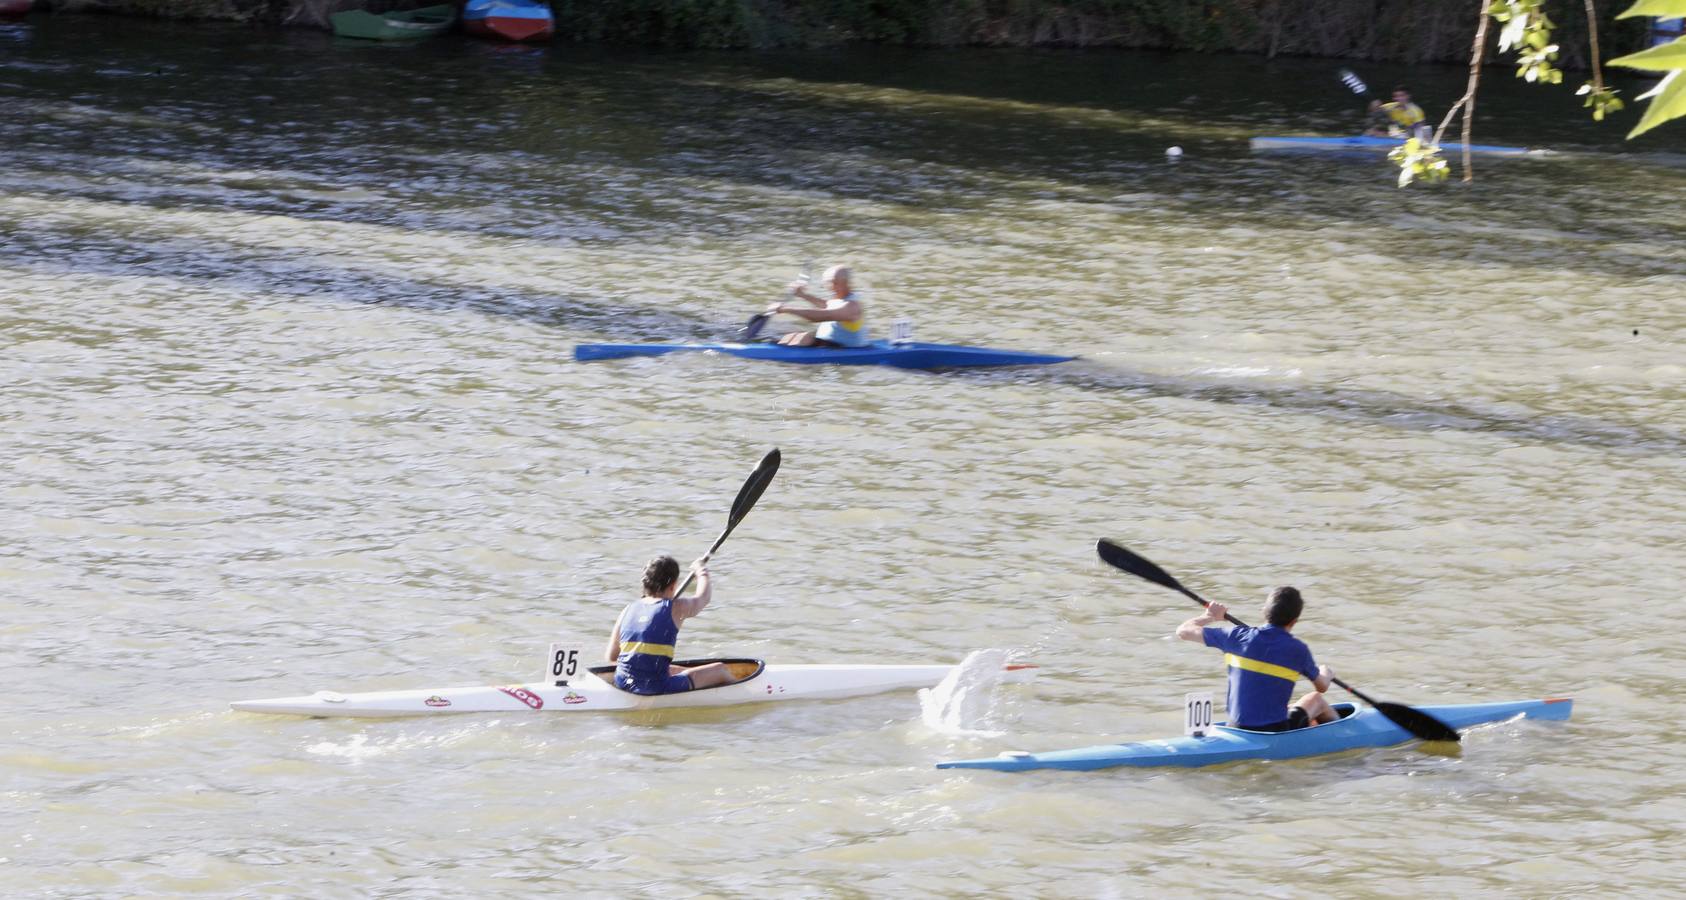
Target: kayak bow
(756,682)
(1371,143)
(1365,727)
(911,355)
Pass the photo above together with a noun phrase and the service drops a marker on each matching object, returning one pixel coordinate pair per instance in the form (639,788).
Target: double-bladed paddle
(1420,724)
(751,491)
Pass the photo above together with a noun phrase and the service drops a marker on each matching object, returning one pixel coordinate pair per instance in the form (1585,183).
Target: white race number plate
(1197,713)
(563,663)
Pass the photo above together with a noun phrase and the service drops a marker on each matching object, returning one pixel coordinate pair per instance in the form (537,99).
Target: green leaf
(1670,103)
(1661,58)
(1662,9)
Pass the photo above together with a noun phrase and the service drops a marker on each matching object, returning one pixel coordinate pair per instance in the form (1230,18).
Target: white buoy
(1173,152)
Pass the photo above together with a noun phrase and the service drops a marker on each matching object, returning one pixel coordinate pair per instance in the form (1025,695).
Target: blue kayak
(1365,727)
(910,355)
(1383,144)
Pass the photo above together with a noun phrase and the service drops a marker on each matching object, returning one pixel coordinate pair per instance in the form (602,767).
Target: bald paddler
(641,644)
(1264,663)
(842,318)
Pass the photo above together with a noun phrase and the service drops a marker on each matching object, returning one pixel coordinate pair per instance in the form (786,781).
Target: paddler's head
(1284,607)
(661,575)
(1401,94)
(838,278)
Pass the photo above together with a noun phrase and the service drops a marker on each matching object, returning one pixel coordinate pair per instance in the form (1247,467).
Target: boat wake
(963,703)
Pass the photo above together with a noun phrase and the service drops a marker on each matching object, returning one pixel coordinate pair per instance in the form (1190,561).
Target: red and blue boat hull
(510,20)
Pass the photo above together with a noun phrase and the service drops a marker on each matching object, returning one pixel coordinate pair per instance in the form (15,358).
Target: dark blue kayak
(1383,144)
(1365,727)
(912,355)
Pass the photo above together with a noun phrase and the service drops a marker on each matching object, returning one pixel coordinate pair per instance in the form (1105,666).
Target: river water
(290,405)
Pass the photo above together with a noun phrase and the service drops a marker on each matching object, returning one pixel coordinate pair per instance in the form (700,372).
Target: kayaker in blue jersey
(1397,118)
(842,318)
(1264,663)
(641,645)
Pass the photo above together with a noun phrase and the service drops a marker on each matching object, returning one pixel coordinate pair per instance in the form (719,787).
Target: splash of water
(963,702)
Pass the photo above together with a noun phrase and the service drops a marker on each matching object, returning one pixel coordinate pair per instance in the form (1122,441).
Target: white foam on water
(963,702)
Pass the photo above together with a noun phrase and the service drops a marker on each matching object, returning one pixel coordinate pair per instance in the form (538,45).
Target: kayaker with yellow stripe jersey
(842,319)
(1264,663)
(1398,117)
(641,644)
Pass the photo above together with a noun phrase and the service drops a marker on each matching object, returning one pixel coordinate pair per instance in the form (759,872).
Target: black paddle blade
(752,329)
(754,487)
(1421,725)
(1120,558)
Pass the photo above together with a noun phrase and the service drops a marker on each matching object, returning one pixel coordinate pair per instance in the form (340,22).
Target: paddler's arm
(848,312)
(799,289)
(1325,678)
(615,638)
(686,607)
(1195,629)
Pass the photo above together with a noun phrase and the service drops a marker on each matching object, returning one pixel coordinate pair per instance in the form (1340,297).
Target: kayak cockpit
(742,670)
(1341,709)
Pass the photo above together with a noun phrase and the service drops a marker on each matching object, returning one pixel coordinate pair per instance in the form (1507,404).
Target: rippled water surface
(290,405)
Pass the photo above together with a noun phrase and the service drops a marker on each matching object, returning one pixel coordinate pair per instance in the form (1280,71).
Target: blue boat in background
(908,355)
(1368,144)
(511,20)
(1358,728)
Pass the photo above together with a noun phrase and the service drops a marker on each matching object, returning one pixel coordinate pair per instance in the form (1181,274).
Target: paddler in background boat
(641,644)
(842,319)
(1264,663)
(1398,117)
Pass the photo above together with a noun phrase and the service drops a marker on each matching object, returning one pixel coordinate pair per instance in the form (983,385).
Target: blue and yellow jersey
(648,634)
(1263,665)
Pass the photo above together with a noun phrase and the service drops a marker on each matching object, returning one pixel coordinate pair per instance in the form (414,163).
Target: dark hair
(1401,89)
(1284,606)
(660,574)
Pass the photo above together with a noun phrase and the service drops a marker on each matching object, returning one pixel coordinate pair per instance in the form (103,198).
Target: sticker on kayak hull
(573,698)
(437,701)
(524,695)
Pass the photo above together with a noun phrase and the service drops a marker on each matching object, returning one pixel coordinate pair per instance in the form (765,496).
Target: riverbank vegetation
(1408,32)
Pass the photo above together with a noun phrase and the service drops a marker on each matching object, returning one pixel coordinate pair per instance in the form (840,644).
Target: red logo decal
(573,698)
(524,695)
(437,700)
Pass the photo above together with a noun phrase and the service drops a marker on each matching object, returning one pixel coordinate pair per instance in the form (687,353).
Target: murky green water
(290,405)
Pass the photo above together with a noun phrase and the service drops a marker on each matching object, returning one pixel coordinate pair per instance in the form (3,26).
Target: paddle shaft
(751,491)
(752,329)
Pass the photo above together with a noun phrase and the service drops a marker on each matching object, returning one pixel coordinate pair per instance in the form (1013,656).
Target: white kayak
(756,682)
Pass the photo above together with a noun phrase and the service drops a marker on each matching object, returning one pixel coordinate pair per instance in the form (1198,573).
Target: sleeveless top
(648,634)
(847,334)
(1403,117)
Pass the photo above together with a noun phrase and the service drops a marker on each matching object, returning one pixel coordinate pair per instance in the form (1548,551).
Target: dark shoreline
(1425,31)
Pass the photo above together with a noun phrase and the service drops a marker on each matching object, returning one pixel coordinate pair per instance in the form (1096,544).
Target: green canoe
(404,25)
